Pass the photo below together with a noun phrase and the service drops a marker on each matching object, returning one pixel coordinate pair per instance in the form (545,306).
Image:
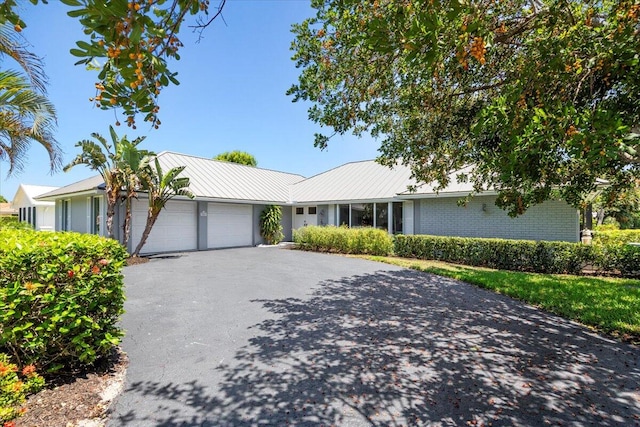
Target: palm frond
(25,116)
(12,46)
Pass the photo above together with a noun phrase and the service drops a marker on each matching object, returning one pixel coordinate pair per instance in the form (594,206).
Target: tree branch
(202,25)
(479,88)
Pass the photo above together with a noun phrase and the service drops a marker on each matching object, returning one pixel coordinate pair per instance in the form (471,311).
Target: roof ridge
(334,168)
(226,163)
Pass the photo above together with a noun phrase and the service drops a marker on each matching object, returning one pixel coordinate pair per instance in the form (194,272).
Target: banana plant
(160,187)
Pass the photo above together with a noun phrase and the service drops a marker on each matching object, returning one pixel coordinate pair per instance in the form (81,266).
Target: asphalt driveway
(265,336)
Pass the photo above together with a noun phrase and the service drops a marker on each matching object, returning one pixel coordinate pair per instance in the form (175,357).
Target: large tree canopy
(538,96)
(129,42)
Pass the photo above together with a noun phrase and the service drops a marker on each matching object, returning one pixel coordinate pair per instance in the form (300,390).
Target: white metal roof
(351,182)
(365,180)
(223,180)
(27,194)
(454,189)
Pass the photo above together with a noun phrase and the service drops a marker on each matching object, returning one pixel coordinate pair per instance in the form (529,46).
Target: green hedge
(367,240)
(61,296)
(610,237)
(12,222)
(523,255)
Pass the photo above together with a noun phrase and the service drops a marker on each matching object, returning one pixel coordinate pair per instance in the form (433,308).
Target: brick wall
(552,220)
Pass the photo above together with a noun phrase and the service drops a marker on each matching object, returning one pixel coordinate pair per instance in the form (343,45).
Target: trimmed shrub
(12,223)
(15,385)
(519,255)
(523,255)
(61,295)
(366,240)
(611,237)
(618,258)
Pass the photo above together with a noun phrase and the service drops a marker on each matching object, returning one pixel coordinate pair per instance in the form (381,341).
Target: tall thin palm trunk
(152,217)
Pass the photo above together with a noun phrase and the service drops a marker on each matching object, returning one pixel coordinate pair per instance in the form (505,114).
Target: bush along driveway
(264,336)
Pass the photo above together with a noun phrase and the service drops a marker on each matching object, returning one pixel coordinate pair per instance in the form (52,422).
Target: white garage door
(229,225)
(175,230)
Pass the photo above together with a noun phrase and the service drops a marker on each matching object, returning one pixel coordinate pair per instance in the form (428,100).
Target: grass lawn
(610,305)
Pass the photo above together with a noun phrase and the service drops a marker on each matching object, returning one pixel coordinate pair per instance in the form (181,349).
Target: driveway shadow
(400,348)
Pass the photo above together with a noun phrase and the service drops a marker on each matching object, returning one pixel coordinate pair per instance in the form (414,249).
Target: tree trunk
(126,224)
(588,216)
(600,216)
(112,199)
(152,216)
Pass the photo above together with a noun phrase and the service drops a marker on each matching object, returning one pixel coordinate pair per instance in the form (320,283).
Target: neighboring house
(6,209)
(39,213)
(230,198)
(79,206)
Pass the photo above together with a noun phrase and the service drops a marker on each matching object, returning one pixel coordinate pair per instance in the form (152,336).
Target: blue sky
(231,96)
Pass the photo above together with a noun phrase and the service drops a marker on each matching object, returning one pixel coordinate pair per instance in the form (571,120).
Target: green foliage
(606,227)
(120,164)
(61,296)
(608,304)
(365,240)
(15,385)
(522,255)
(627,260)
(134,41)
(26,114)
(620,206)
(12,223)
(236,156)
(604,236)
(3,199)
(541,96)
(271,224)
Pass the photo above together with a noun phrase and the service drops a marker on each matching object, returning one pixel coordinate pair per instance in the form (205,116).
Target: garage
(229,225)
(175,230)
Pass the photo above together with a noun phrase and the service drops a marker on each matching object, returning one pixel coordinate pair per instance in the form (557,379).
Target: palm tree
(31,64)
(133,164)
(161,188)
(26,115)
(118,164)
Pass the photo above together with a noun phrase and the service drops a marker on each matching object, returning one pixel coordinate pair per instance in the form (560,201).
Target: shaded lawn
(611,305)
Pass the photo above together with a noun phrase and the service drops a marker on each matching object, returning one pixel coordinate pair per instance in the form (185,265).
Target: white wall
(552,220)
(299,220)
(45,218)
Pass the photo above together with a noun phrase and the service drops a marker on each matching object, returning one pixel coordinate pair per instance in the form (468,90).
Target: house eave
(342,202)
(70,195)
(224,200)
(414,196)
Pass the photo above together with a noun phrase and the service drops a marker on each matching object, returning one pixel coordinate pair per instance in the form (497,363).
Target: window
(96,218)
(299,211)
(362,215)
(397,218)
(33,217)
(343,213)
(382,216)
(312,210)
(64,218)
(29,215)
